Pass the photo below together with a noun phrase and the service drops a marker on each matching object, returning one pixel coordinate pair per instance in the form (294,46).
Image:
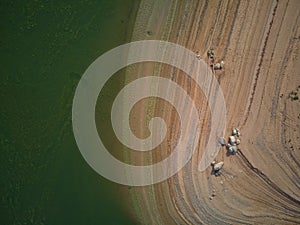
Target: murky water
(45,48)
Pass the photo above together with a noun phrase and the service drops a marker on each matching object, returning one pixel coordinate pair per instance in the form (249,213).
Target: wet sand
(259,42)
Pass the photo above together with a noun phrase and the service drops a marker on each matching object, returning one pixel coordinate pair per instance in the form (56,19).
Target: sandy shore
(259,42)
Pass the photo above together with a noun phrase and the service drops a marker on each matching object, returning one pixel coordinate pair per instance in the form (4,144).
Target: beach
(259,44)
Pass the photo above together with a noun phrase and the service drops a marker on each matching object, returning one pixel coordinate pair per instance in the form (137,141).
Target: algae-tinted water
(45,48)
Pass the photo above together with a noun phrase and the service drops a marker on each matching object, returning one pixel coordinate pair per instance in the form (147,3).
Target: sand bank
(259,43)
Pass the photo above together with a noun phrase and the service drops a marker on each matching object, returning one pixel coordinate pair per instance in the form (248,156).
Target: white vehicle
(233,150)
(234,131)
(222,141)
(218,166)
(232,140)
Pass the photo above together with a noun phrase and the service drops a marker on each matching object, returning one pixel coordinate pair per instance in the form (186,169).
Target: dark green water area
(45,48)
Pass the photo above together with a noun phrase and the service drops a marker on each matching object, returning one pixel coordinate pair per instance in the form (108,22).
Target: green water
(45,48)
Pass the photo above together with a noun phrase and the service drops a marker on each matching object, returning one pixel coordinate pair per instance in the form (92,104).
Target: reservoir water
(45,48)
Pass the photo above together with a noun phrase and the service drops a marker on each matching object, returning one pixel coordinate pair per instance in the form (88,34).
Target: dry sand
(259,42)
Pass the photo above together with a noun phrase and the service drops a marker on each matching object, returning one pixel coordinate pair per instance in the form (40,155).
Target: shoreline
(149,14)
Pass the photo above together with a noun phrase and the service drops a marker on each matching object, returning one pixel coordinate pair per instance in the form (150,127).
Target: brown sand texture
(259,42)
